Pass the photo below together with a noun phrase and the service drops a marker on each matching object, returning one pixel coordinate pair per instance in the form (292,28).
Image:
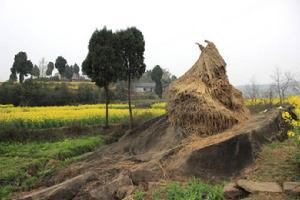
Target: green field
(22,166)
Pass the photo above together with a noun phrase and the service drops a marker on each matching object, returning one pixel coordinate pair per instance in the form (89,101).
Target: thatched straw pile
(203,101)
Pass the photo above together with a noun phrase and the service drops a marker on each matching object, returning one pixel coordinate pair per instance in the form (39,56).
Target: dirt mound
(156,153)
(203,101)
(163,149)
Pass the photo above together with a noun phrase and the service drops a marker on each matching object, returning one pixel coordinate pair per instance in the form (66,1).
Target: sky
(253,36)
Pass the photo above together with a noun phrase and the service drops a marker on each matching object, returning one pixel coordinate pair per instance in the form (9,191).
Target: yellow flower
(290,133)
(294,123)
(57,116)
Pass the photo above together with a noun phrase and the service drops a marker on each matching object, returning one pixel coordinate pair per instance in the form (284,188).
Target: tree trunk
(106,105)
(21,77)
(129,102)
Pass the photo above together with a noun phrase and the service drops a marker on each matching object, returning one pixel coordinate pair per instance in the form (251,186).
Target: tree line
(113,57)
(23,67)
(283,84)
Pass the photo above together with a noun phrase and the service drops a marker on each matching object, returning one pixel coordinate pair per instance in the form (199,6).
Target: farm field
(24,165)
(60,116)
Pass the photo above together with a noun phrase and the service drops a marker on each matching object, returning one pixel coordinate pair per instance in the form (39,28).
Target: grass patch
(194,190)
(277,162)
(22,166)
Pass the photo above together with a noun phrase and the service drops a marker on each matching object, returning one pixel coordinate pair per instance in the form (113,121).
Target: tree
(35,71)
(282,81)
(43,67)
(252,91)
(60,65)
(156,76)
(76,70)
(146,77)
(131,47)
(68,72)
(102,62)
(50,68)
(13,76)
(21,66)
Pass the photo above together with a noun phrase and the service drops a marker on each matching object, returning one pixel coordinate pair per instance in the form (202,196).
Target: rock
(255,187)
(292,188)
(117,189)
(142,176)
(124,191)
(63,191)
(231,191)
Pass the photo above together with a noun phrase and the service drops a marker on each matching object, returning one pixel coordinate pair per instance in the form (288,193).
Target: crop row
(50,117)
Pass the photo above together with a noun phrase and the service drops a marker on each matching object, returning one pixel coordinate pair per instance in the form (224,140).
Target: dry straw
(203,101)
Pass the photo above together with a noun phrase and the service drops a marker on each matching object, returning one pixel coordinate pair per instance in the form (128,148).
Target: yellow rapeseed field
(58,116)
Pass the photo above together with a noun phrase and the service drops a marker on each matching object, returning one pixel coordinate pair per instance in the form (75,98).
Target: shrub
(194,190)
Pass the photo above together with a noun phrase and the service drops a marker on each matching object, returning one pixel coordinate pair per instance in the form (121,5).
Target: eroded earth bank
(207,132)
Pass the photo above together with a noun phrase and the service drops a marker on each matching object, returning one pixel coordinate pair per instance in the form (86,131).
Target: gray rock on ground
(292,188)
(63,191)
(231,191)
(256,187)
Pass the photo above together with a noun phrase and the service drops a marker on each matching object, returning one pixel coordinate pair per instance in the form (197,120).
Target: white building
(144,87)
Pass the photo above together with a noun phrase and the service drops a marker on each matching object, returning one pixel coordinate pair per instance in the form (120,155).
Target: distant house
(57,75)
(144,87)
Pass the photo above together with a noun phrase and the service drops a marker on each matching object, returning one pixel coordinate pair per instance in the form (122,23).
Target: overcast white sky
(253,36)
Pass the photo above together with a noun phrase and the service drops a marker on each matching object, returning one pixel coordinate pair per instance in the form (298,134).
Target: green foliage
(22,66)
(22,166)
(138,195)
(102,63)
(35,71)
(68,72)
(195,190)
(50,68)
(131,48)
(60,65)
(156,76)
(76,68)
(39,93)
(13,76)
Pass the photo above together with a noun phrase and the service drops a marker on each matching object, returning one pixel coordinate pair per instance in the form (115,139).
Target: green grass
(22,166)
(194,190)
(138,195)
(276,162)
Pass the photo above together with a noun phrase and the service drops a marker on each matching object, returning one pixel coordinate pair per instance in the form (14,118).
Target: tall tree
(131,47)
(60,65)
(50,68)
(35,71)
(68,72)
(22,66)
(102,63)
(76,70)
(156,76)
(282,82)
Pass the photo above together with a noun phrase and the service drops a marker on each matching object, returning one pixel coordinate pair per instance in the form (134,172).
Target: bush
(194,190)
(41,93)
